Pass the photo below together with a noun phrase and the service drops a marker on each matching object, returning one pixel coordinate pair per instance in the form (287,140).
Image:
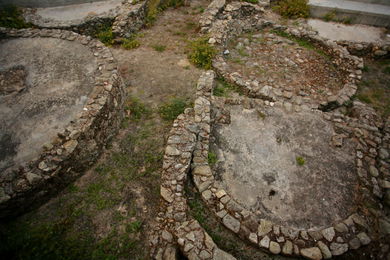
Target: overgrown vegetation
(11,17)
(105,35)
(292,8)
(300,160)
(332,16)
(225,89)
(171,109)
(212,158)
(130,43)
(201,53)
(159,47)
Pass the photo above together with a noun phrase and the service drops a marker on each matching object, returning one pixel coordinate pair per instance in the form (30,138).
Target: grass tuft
(201,53)
(300,160)
(159,47)
(212,158)
(292,8)
(172,109)
(11,17)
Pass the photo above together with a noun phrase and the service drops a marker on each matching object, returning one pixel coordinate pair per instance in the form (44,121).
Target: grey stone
(374,171)
(384,226)
(288,248)
(313,253)
(265,242)
(231,223)
(338,249)
(325,250)
(341,227)
(304,235)
(203,170)
(204,254)
(253,238)
(33,178)
(316,235)
(170,253)
(166,194)
(328,233)
(364,238)
(70,145)
(264,228)
(206,194)
(222,255)
(354,243)
(173,151)
(166,236)
(274,248)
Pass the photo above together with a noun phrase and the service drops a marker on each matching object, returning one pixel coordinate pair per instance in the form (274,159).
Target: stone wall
(44,3)
(78,145)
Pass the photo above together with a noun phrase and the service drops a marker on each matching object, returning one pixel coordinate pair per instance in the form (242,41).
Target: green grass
(130,44)
(201,53)
(300,160)
(225,89)
(212,158)
(105,35)
(11,17)
(159,47)
(171,109)
(292,8)
(251,1)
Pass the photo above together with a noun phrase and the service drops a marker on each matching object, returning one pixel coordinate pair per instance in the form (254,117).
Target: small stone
(32,178)
(380,53)
(203,170)
(341,227)
(328,233)
(287,94)
(304,235)
(253,238)
(183,63)
(166,236)
(226,52)
(354,243)
(42,165)
(325,250)
(220,193)
(264,228)
(364,239)
(166,194)
(212,41)
(384,226)
(374,171)
(274,248)
(221,213)
(265,242)
(316,235)
(170,150)
(204,254)
(191,236)
(231,223)
(313,253)
(188,247)
(288,248)
(222,255)
(206,194)
(3,196)
(338,249)
(70,145)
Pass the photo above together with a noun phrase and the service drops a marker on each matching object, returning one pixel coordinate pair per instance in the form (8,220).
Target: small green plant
(170,110)
(242,52)
(366,68)
(225,89)
(105,35)
(134,226)
(386,70)
(201,53)
(136,109)
(159,47)
(300,160)
(251,1)
(330,16)
(261,114)
(212,158)
(292,8)
(130,43)
(11,17)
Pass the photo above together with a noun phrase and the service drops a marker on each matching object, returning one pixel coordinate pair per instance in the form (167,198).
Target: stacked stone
(130,19)
(209,15)
(313,244)
(125,19)
(375,50)
(78,146)
(175,226)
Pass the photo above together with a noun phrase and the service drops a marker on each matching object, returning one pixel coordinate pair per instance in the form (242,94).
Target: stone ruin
(61,100)
(292,170)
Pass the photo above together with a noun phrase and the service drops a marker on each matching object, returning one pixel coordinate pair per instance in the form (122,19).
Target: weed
(170,110)
(242,52)
(330,16)
(300,160)
(261,114)
(212,158)
(365,68)
(225,89)
(201,53)
(130,43)
(136,109)
(292,8)
(105,35)
(11,17)
(197,210)
(133,227)
(251,1)
(159,47)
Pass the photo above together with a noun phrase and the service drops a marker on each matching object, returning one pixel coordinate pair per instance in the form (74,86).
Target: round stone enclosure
(60,101)
(290,168)
(58,76)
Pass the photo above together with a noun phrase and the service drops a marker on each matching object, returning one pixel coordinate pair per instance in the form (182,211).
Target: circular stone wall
(258,153)
(60,101)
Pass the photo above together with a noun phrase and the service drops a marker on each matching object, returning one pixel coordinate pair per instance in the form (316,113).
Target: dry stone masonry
(76,146)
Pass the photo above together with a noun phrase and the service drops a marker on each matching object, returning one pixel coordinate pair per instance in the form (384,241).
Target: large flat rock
(45,85)
(257,164)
